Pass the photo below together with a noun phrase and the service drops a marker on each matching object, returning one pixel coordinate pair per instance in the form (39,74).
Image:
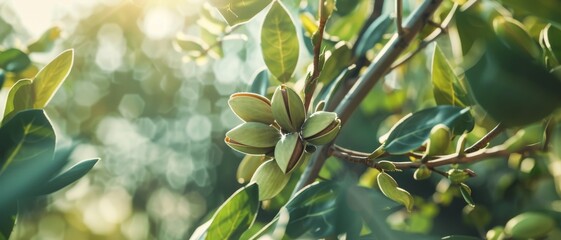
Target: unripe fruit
(321,127)
(290,151)
(271,180)
(288,109)
(251,107)
(253,138)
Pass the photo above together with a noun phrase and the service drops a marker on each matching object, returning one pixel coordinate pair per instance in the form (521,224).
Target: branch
(310,87)
(498,151)
(379,67)
(485,139)
(399,16)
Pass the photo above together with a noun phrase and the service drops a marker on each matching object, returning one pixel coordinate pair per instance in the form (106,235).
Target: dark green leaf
(465,190)
(7,220)
(372,35)
(547,9)
(345,7)
(260,83)
(279,42)
(27,136)
(14,60)
(235,215)
(20,98)
(46,42)
(239,11)
(412,132)
(339,59)
(552,42)
(71,175)
(448,90)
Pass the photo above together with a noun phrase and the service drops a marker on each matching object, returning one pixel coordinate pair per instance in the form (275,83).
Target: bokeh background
(155,118)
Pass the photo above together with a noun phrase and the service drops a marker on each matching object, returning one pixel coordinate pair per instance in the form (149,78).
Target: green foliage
(389,187)
(279,42)
(448,87)
(236,214)
(413,131)
(372,35)
(239,11)
(28,162)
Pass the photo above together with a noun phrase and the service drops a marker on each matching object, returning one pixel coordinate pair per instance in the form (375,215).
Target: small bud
(457,175)
(288,109)
(290,151)
(253,138)
(321,127)
(251,107)
(423,172)
(387,166)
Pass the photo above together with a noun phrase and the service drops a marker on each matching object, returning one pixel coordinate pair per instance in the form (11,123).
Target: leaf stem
(485,139)
(378,69)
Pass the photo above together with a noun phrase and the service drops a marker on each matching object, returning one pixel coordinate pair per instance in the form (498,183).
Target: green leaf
(546,9)
(14,60)
(279,42)
(336,62)
(448,90)
(235,215)
(372,35)
(412,132)
(260,83)
(239,11)
(36,93)
(7,220)
(46,42)
(390,189)
(27,136)
(51,77)
(192,46)
(71,175)
(465,190)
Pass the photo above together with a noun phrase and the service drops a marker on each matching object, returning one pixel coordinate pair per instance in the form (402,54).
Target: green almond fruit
(271,180)
(253,138)
(288,109)
(529,225)
(251,107)
(321,127)
(439,140)
(290,151)
(248,166)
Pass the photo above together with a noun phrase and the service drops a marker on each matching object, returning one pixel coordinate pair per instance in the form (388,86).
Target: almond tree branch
(378,69)
(310,87)
(498,151)
(399,16)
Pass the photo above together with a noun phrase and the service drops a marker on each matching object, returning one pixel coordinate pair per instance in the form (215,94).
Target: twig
(379,67)
(441,29)
(311,85)
(497,151)
(399,16)
(485,139)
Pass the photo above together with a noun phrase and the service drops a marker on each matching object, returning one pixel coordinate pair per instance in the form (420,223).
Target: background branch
(379,67)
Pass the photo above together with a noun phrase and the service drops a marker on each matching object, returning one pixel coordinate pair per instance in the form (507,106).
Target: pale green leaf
(447,88)
(239,11)
(271,179)
(235,215)
(51,77)
(279,42)
(390,189)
